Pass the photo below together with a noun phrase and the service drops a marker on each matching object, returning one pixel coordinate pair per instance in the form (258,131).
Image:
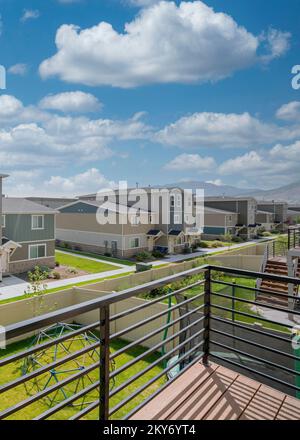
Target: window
(178,200)
(177,219)
(3,221)
(172,200)
(37,222)
(230,218)
(134,242)
(135,220)
(37,251)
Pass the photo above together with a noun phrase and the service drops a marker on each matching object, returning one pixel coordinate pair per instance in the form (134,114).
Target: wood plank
(290,409)
(201,400)
(264,405)
(234,401)
(162,405)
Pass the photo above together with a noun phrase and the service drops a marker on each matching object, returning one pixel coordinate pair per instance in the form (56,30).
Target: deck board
(218,393)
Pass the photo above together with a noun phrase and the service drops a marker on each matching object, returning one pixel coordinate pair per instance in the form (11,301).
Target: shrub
(143,256)
(65,245)
(216,244)
(72,270)
(56,275)
(77,248)
(157,254)
(187,250)
(203,244)
(266,234)
(44,269)
(107,254)
(57,263)
(237,239)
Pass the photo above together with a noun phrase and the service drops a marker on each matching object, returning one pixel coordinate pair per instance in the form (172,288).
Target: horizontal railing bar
(183,370)
(44,345)
(252,370)
(20,405)
(150,302)
(63,314)
(254,274)
(67,401)
(255,289)
(154,332)
(256,344)
(256,358)
(47,367)
(248,301)
(154,379)
(86,410)
(154,317)
(155,348)
(270,321)
(250,329)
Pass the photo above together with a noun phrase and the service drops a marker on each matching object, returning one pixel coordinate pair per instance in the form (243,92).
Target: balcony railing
(207,312)
(293,237)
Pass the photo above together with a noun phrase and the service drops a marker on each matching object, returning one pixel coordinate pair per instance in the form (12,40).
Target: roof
(16,205)
(259,211)
(228,199)
(2,176)
(270,202)
(110,206)
(209,210)
(154,232)
(175,232)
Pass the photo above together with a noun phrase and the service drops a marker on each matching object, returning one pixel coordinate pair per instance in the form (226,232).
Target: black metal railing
(293,237)
(206,313)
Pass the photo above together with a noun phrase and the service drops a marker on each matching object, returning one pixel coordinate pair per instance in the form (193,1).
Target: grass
(78,263)
(100,257)
(13,371)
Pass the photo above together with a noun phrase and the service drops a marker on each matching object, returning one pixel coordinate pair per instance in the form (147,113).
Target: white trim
(37,241)
(32,259)
(31,246)
(134,247)
(43,222)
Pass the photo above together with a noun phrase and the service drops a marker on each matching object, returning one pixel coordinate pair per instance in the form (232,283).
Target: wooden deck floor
(217,393)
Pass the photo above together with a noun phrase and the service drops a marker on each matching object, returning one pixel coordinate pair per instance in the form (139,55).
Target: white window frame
(43,222)
(131,241)
(3,224)
(177,219)
(36,245)
(135,220)
(178,200)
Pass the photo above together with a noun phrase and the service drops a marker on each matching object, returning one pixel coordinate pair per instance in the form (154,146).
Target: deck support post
(206,336)
(104,363)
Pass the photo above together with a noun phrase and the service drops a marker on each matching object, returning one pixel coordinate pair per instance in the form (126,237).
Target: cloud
(32,183)
(217,182)
(30,136)
(73,102)
(18,69)
(142,3)
(190,162)
(277,42)
(223,130)
(30,14)
(165,43)
(289,112)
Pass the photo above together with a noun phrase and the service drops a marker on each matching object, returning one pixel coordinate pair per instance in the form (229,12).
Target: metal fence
(216,318)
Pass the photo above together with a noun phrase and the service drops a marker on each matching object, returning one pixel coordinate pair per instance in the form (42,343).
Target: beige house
(266,220)
(218,222)
(133,230)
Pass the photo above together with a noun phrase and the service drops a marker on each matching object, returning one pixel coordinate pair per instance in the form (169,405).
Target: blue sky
(183,92)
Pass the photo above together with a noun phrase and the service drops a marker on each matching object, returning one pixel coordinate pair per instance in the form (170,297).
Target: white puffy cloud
(165,43)
(277,42)
(289,112)
(142,3)
(223,130)
(18,69)
(72,102)
(245,163)
(190,162)
(30,14)
(30,136)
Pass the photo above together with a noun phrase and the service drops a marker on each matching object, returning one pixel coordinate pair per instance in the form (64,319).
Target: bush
(203,244)
(72,270)
(56,275)
(157,254)
(143,256)
(57,263)
(44,269)
(107,254)
(187,250)
(65,245)
(266,234)
(216,244)
(237,239)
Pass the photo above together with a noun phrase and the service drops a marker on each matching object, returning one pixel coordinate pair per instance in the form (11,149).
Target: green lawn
(101,257)
(13,371)
(89,266)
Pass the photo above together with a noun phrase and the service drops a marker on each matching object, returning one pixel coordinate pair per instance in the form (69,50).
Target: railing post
(233,302)
(104,363)
(206,336)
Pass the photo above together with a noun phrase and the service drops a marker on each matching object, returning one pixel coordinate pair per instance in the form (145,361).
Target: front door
(4,261)
(114,248)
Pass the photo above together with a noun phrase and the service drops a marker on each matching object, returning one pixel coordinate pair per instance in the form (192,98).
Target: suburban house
(245,209)
(266,219)
(145,230)
(279,211)
(218,222)
(27,235)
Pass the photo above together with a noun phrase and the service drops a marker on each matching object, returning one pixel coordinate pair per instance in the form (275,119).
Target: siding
(18,228)
(210,230)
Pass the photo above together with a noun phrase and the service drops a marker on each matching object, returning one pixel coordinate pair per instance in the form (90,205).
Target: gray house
(27,235)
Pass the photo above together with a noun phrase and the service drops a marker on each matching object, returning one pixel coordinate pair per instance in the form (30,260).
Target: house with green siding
(27,235)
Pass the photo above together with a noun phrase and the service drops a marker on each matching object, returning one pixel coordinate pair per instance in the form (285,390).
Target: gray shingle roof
(16,205)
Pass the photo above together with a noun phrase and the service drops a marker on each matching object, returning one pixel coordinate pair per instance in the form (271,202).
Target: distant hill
(288,193)
(210,189)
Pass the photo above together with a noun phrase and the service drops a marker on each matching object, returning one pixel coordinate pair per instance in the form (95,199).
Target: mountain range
(288,193)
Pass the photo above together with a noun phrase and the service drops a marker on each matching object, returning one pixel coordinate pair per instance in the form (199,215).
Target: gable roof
(17,205)
(113,207)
